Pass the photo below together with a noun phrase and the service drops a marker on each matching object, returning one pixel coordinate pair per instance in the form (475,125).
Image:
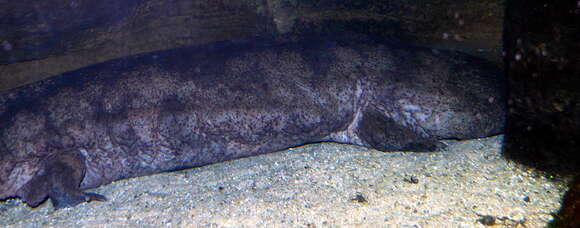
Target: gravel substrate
(322,185)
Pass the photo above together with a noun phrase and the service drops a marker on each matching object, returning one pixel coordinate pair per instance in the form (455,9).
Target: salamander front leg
(60,181)
(64,174)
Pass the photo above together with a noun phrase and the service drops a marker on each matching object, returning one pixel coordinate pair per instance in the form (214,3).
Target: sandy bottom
(322,185)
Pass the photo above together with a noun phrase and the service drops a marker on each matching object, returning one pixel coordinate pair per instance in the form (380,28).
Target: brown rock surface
(39,39)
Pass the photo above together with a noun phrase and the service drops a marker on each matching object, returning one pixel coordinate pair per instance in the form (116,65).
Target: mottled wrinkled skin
(193,106)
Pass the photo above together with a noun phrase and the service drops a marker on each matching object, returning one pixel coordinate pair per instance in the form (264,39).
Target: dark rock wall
(542,61)
(543,66)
